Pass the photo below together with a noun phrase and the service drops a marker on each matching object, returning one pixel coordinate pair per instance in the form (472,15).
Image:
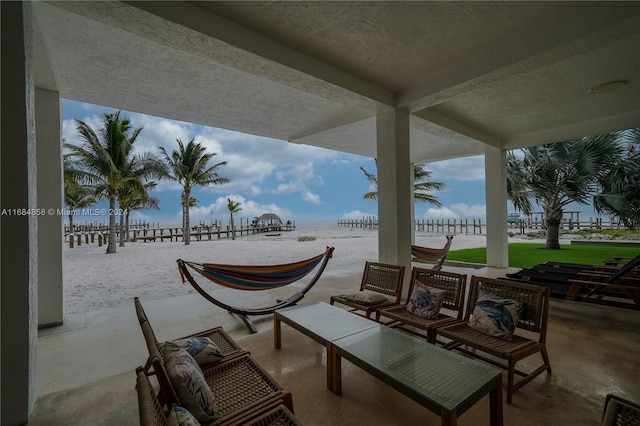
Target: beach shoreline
(94,280)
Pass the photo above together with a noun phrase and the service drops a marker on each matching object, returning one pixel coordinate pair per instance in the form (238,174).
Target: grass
(525,255)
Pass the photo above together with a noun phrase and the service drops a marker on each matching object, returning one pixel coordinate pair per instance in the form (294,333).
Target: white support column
(495,164)
(50,198)
(395,180)
(18,239)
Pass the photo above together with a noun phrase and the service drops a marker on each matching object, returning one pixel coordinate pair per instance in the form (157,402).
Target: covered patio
(404,82)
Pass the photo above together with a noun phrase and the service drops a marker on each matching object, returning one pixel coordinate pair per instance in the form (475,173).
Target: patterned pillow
(365,297)
(425,301)
(202,349)
(182,417)
(189,383)
(496,316)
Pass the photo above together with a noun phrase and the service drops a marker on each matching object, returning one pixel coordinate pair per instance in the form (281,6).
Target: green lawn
(524,255)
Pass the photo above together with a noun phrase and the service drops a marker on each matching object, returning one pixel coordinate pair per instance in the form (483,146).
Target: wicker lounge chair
(379,279)
(220,337)
(620,412)
(470,341)
(240,385)
(612,288)
(254,278)
(155,410)
(431,255)
(454,284)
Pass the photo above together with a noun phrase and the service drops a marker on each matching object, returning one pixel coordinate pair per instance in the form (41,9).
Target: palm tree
(234,207)
(134,196)
(557,174)
(104,159)
(76,195)
(189,167)
(620,186)
(422,185)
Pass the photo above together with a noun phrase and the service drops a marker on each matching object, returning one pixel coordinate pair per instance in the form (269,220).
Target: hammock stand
(254,278)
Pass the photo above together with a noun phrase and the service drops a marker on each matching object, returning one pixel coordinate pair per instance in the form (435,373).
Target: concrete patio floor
(86,367)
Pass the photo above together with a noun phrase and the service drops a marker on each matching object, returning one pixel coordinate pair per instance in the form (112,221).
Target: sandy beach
(94,280)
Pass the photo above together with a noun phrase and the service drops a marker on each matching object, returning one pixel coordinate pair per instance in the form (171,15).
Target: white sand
(94,280)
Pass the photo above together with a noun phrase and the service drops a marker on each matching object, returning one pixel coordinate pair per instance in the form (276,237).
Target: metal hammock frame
(255,278)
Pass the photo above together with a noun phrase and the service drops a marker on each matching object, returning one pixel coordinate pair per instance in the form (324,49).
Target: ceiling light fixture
(607,87)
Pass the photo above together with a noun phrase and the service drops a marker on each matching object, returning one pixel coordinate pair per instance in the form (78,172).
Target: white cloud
(311,197)
(457,211)
(218,210)
(357,214)
(464,169)
(441,213)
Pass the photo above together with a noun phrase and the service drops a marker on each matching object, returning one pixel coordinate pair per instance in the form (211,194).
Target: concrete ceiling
(505,74)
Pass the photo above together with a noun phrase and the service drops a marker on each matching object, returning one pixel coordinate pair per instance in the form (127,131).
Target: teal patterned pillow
(189,383)
(425,301)
(202,349)
(496,316)
(183,417)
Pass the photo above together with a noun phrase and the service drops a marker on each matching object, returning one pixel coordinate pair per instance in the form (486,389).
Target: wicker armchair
(619,412)
(454,284)
(240,385)
(533,319)
(220,337)
(379,278)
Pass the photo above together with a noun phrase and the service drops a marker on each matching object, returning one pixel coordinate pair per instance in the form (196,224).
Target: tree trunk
(186,232)
(233,234)
(70,222)
(121,216)
(126,227)
(111,246)
(554,218)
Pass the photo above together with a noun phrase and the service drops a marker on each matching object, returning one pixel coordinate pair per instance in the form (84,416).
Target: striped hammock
(254,278)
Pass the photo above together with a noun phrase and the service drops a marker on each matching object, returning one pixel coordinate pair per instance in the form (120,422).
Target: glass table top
(431,375)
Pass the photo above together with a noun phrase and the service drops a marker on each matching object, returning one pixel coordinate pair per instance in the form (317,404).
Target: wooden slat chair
(218,335)
(613,288)
(534,319)
(431,255)
(619,411)
(242,388)
(454,284)
(380,279)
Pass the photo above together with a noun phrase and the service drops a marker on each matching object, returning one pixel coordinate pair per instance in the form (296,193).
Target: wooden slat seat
(620,412)
(380,278)
(453,301)
(534,320)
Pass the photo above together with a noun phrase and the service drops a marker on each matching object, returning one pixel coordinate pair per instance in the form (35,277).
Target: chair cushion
(189,383)
(202,349)
(425,301)
(180,416)
(365,297)
(495,316)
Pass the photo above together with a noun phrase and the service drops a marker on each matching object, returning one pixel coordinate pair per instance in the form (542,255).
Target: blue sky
(297,182)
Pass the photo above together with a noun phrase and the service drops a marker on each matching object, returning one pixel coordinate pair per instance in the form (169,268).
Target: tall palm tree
(234,207)
(104,159)
(620,186)
(189,167)
(76,195)
(557,174)
(423,186)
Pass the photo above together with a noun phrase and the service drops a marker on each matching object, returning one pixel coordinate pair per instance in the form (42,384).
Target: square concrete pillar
(496,197)
(50,198)
(395,186)
(18,236)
